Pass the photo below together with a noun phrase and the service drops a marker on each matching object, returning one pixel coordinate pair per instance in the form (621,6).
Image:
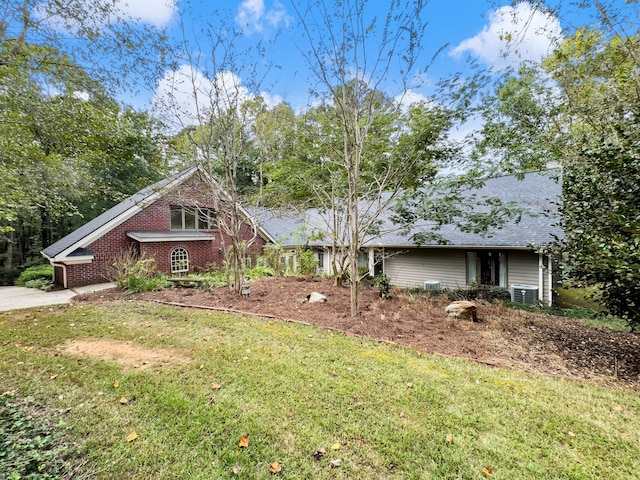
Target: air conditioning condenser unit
(431,285)
(524,294)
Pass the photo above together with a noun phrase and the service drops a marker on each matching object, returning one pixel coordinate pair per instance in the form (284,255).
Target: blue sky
(458,28)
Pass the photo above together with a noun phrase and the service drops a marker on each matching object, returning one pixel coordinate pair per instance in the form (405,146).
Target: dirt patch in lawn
(502,337)
(124,353)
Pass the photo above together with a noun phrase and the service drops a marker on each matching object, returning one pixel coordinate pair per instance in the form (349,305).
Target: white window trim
(179,264)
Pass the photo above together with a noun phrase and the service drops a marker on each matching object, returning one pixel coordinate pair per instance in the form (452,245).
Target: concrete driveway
(12,298)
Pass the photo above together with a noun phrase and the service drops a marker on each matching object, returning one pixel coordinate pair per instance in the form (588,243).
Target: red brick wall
(155,217)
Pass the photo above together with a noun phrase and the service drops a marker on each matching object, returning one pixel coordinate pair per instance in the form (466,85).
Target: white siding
(411,268)
(522,268)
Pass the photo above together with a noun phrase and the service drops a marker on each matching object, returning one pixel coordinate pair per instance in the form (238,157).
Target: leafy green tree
(119,51)
(581,109)
(65,157)
(598,76)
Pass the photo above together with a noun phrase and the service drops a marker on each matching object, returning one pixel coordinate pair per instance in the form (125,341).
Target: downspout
(550,279)
(541,277)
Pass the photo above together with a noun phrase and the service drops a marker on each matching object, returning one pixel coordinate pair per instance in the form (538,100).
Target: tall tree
(65,156)
(352,56)
(216,130)
(581,108)
(119,50)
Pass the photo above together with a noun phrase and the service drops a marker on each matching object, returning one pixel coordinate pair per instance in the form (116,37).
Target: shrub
(259,272)
(41,284)
(306,261)
(384,286)
(134,275)
(8,276)
(214,279)
(274,258)
(37,272)
(218,278)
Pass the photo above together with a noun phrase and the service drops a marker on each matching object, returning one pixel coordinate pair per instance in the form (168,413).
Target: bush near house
(36,276)
(134,275)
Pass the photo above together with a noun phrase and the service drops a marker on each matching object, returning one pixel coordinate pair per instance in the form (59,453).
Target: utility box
(431,285)
(524,294)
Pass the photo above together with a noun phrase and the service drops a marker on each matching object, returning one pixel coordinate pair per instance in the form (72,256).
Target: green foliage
(274,258)
(581,108)
(218,278)
(259,271)
(384,286)
(64,159)
(306,261)
(40,284)
(35,273)
(8,276)
(133,274)
(32,446)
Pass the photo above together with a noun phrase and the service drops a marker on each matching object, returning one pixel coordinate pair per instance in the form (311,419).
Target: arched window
(179,260)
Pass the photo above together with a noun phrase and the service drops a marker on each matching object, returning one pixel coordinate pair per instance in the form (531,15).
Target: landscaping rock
(463,309)
(315,297)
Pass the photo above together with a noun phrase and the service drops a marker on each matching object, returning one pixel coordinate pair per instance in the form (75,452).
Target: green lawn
(383,411)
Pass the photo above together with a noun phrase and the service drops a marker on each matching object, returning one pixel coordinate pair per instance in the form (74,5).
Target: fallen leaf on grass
(215,386)
(244,441)
(618,408)
(53,377)
(116,384)
(409,385)
(335,463)
(320,453)
(131,437)
(335,446)
(124,400)
(487,471)
(236,470)
(401,414)
(449,438)
(274,468)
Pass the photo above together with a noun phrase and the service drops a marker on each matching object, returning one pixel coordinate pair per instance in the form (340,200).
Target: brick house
(172,221)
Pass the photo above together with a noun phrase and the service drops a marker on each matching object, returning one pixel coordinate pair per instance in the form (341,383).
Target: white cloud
(186,97)
(253,16)
(271,100)
(156,12)
(409,97)
(513,35)
(81,96)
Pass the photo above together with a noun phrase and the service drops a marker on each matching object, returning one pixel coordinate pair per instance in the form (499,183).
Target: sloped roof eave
(113,217)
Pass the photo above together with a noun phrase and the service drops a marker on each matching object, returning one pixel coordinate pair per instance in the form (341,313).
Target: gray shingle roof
(75,238)
(538,192)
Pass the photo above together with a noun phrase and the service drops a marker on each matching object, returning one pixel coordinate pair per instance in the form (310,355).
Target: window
(320,267)
(487,267)
(192,218)
(179,260)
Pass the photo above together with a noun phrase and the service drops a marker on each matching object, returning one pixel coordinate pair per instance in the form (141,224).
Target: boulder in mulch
(315,297)
(462,309)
